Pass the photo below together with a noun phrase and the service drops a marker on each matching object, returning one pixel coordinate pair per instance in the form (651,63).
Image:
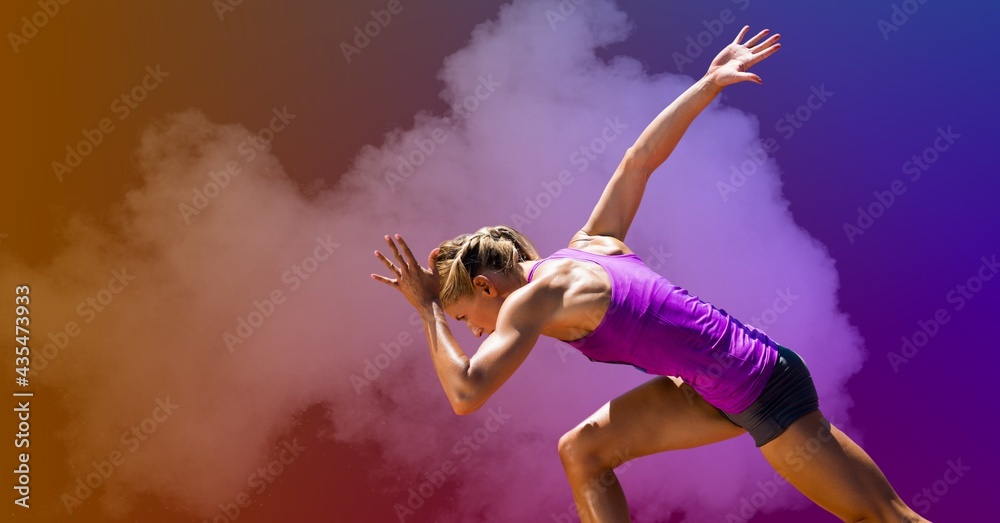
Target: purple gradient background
(938,70)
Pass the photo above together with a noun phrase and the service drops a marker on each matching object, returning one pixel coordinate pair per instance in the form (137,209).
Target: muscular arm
(660,137)
(469,382)
(614,212)
(618,204)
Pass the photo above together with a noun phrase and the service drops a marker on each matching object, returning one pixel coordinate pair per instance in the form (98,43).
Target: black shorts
(788,395)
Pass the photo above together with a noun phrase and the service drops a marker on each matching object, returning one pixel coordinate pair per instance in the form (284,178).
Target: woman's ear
(483,284)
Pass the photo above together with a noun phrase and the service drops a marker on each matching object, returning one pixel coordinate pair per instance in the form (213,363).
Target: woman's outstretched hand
(419,286)
(730,66)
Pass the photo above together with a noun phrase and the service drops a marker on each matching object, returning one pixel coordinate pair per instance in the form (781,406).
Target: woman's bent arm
(451,364)
(469,382)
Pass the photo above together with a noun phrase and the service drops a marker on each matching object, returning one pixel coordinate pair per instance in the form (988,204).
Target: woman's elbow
(463,409)
(465,405)
(637,160)
(468,399)
(469,394)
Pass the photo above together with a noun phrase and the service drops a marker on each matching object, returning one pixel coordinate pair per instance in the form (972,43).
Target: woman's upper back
(634,315)
(585,287)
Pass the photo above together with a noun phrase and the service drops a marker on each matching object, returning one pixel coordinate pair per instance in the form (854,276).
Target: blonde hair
(499,248)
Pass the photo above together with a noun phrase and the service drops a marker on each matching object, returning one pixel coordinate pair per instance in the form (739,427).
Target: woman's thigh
(662,414)
(830,469)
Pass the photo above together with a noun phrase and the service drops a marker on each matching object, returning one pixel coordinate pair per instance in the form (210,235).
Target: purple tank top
(661,329)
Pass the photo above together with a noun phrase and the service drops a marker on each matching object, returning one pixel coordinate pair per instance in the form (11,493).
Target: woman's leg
(662,414)
(834,472)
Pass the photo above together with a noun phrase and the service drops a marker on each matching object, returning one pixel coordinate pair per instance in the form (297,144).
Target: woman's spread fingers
(767,52)
(387,263)
(742,32)
(383,279)
(395,252)
(765,44)
(406,249)
(757,37)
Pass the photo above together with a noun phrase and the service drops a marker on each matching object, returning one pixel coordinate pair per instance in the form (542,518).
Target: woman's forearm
(660,137)
(451,364)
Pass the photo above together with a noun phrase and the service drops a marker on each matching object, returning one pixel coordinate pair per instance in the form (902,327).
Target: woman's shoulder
(563,268)
(606,245)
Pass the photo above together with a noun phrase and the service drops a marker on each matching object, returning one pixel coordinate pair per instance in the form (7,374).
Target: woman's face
(479,311)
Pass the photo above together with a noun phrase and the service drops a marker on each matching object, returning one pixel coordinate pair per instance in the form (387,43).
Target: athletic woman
(717,377)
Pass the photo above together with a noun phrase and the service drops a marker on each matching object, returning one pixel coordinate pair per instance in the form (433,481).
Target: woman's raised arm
(620,201)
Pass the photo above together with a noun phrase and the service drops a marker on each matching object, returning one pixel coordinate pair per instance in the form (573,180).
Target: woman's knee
(583,449)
